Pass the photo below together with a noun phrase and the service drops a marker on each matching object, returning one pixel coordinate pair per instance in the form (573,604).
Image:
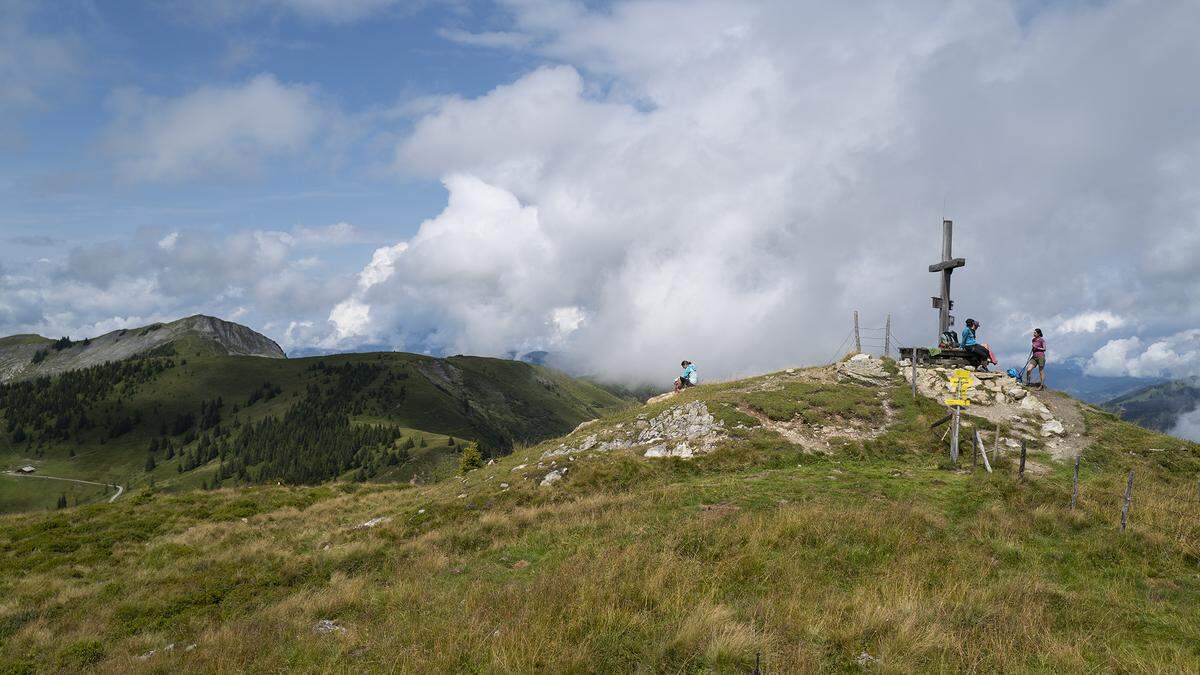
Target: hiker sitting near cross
(980,354)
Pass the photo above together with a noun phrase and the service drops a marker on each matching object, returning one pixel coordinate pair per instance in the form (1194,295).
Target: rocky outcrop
(863,369)
(680,431)
(995,397)
(18,353)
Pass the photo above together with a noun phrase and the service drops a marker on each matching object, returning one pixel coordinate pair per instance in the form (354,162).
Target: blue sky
(621,183)
(58,175)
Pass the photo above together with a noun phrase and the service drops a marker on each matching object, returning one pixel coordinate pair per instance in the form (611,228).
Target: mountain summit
(26,356)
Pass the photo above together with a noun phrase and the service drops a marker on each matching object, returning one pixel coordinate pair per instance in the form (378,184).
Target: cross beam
(948,264)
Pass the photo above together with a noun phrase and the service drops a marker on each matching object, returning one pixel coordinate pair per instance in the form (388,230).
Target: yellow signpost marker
(962,381)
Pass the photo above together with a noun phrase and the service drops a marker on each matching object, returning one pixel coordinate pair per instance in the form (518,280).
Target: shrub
(471,458)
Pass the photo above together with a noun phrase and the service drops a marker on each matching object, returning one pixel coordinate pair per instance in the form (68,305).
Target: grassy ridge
(625,565)
(493,401)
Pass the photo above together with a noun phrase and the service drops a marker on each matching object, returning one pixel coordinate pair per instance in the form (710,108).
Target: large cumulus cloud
(727,181)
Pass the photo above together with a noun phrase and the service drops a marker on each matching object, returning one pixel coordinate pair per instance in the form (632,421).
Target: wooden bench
(948,356)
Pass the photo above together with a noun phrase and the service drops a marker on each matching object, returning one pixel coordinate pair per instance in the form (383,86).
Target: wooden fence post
(983,451)
(954,437)
(1128,501)
(914,372)
(887,337)
(1021,470)
(857,339)
(1075,484)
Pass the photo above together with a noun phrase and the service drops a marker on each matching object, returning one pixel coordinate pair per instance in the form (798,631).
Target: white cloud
(1088,322)
(258,275)
(1174,356)
(212,130)
(493,39)
(323,11)
(727,181)
(1188,426)
(31,63)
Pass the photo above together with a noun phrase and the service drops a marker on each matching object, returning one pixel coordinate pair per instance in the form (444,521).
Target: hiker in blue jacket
(980,354)
(688,378)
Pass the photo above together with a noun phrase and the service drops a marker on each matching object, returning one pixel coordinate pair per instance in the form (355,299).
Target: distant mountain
(193,406)
(27,356)
(1159,407)
(366,348)
(1069,376)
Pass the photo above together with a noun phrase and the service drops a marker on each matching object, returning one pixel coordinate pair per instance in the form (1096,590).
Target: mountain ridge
(1160,406)
(27,356)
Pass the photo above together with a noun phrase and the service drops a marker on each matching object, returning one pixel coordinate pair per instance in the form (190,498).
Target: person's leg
(980,354)
(1042,373)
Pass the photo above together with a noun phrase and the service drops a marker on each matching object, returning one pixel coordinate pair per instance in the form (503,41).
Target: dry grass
(623,567)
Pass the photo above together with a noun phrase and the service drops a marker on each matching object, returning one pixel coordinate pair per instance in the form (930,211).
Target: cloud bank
(727,181)
(212,130)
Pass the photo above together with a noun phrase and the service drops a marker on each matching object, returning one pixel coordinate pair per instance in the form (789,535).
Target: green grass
(631,565)
(815,402)
(506,399)
(35,494)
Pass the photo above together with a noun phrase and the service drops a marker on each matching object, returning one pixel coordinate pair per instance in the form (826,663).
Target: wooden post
(1021,470)
(887,337)
(1075,484)
(954,438)
(914,373)
(1128,501)
(857,339)
(944,310)
(983,451)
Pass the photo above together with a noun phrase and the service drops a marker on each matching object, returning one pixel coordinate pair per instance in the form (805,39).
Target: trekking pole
(1025,369)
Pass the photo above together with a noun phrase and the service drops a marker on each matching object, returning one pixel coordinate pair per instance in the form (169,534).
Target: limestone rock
(325,626)
(372,523)
(682,450)
(553,477)
(864,370)
(1052,428)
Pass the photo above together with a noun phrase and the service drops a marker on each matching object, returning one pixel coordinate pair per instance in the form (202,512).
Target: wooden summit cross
(943,303)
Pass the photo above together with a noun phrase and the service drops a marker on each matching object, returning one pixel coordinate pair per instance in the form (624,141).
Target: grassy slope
(1158,406)
(637,565)
(528,402)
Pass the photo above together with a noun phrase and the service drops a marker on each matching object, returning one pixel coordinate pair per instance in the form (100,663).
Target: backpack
(694,378)
(949,340)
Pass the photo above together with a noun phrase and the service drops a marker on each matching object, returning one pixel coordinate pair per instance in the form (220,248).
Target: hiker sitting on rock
(688,378)
(979,354)
(1037,357)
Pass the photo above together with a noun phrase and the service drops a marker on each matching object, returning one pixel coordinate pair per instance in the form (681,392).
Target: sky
(622,184)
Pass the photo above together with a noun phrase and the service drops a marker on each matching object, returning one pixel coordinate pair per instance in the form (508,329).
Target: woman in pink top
(1038,358)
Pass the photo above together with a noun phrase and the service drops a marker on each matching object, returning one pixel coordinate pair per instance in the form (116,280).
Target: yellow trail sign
(962,381)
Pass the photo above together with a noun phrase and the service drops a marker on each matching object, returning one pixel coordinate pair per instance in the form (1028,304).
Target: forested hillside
(184,416)
(1158,406)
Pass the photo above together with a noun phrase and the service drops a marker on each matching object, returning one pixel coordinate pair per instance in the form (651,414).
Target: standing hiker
(981,354)
(1037,357)
(688,378)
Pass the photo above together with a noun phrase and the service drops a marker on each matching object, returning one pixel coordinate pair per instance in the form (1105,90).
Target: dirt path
(120,489)
(1065,410)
